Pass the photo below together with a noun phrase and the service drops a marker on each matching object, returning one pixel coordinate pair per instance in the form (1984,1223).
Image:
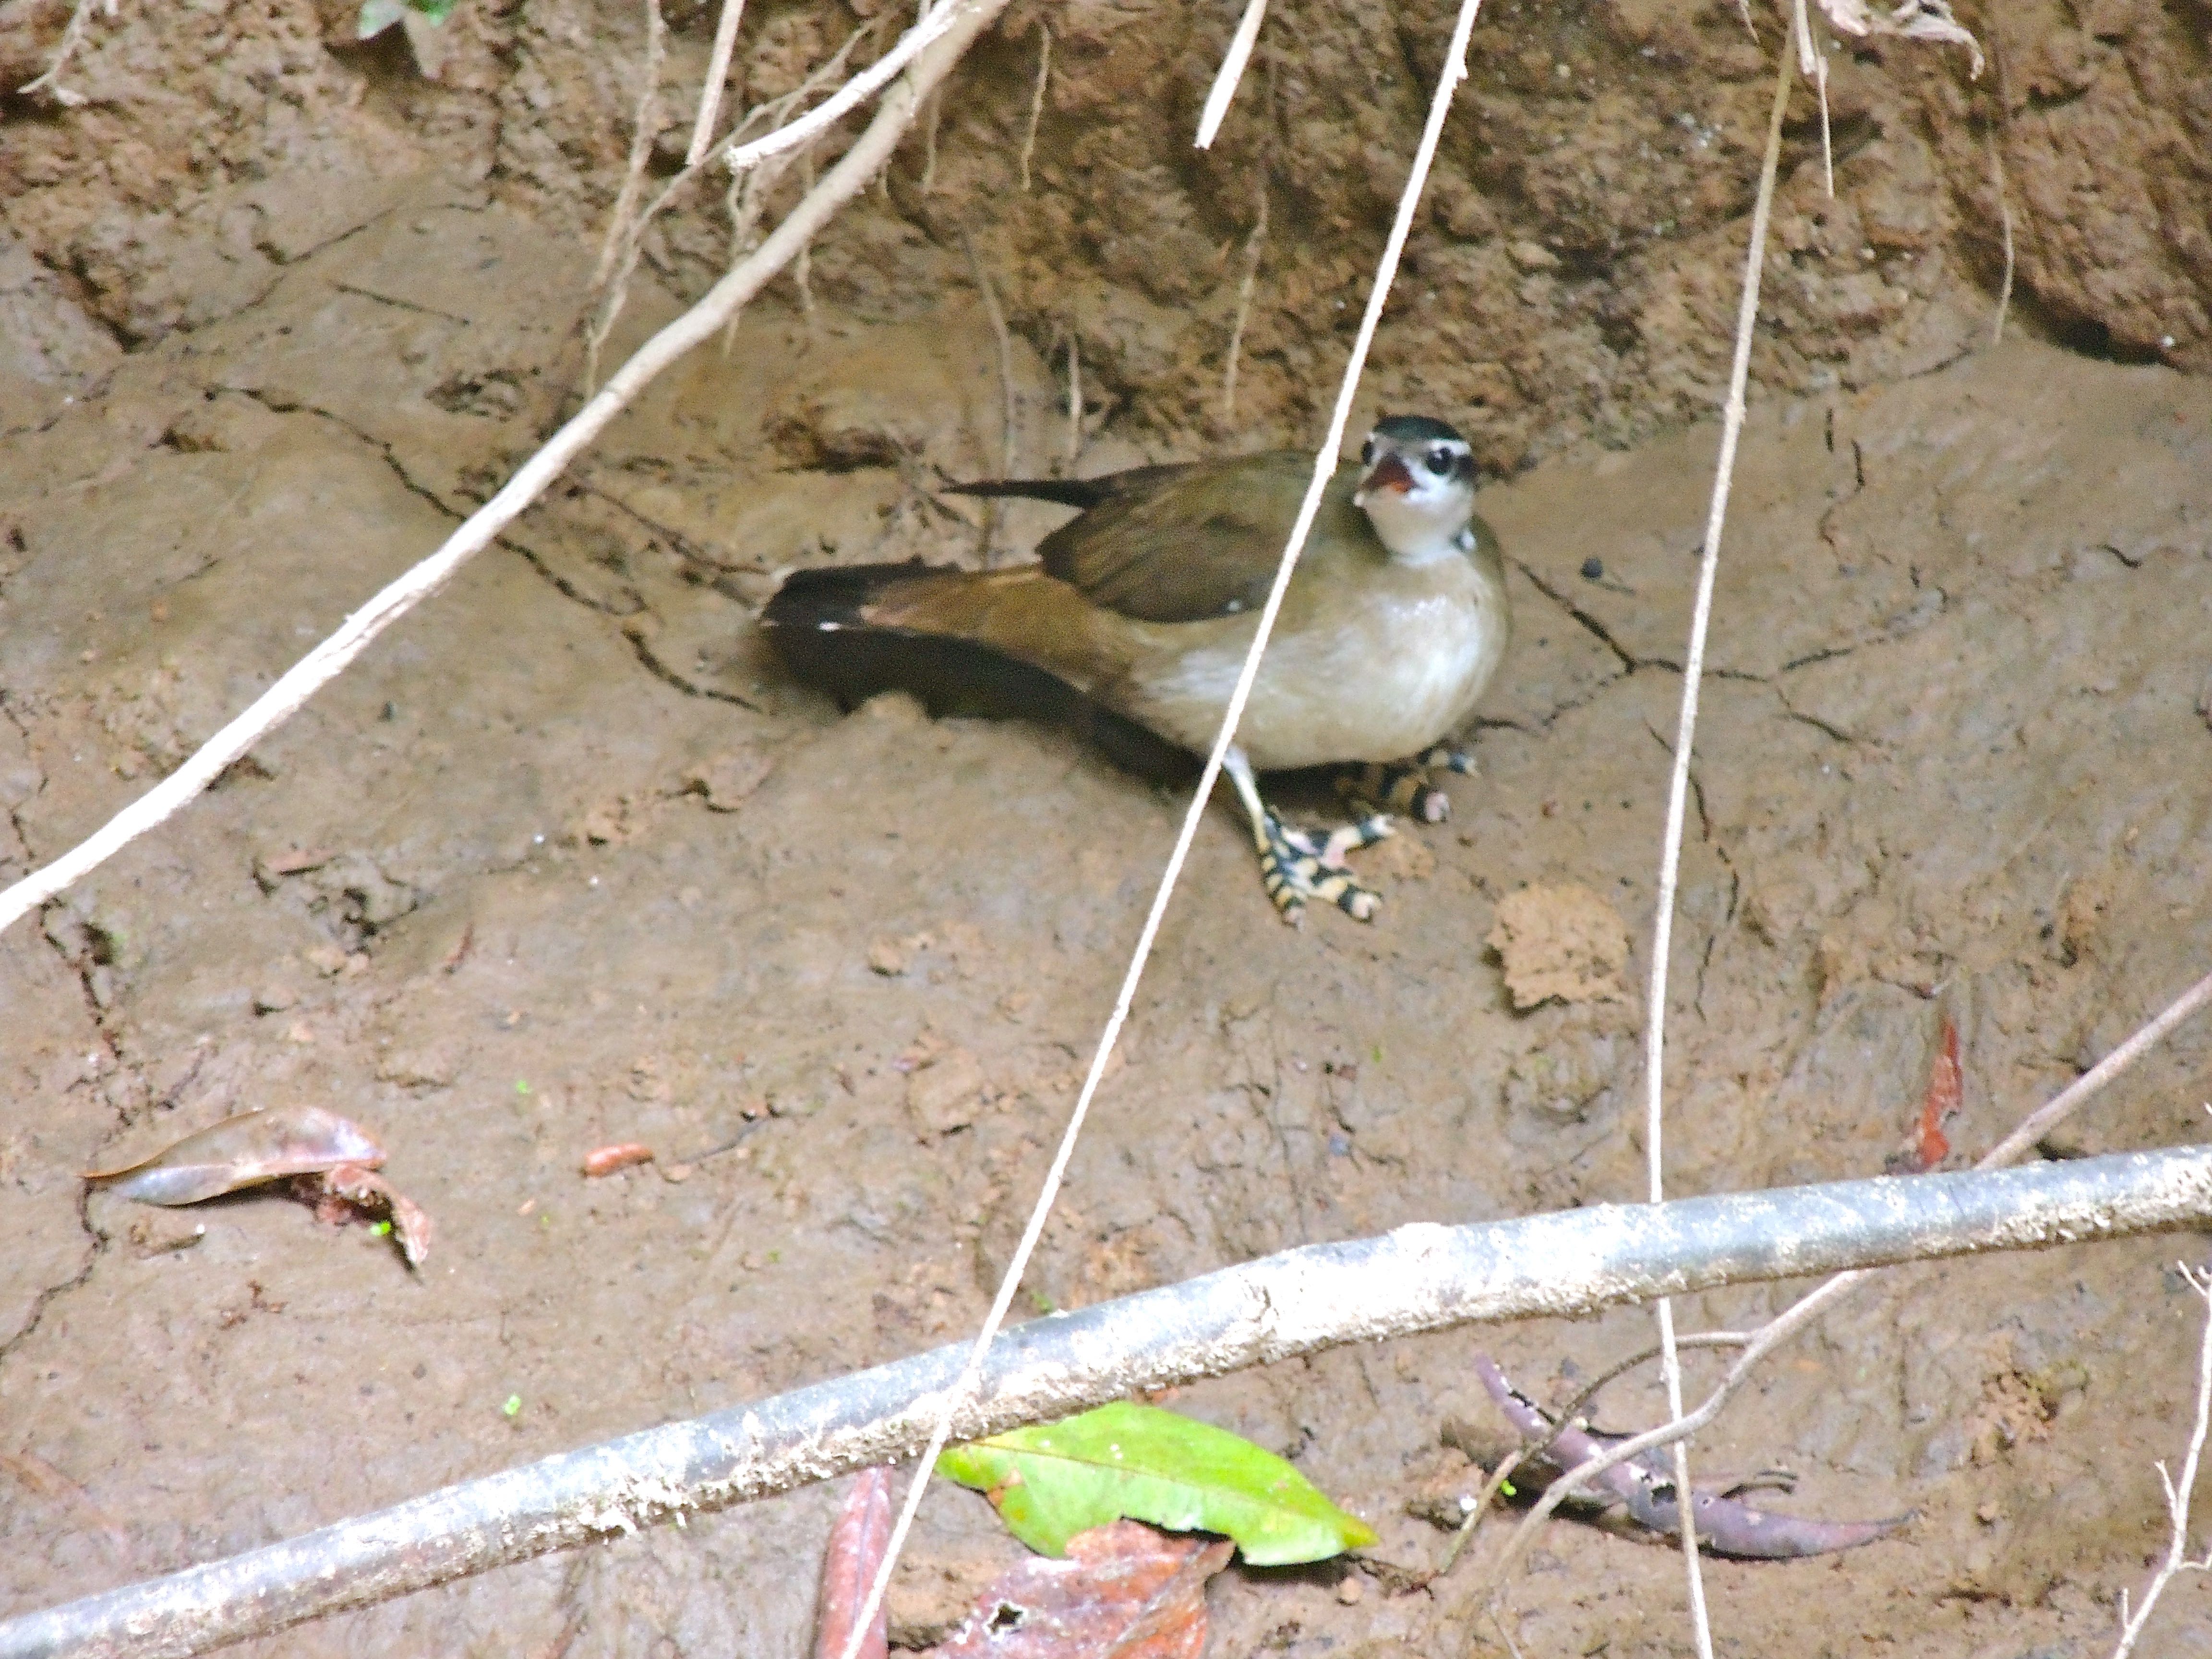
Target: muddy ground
(566,860)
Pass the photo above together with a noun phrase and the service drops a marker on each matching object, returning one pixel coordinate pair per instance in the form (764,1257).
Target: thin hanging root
(618,252)
(2004,223)
(802,268)
(72,39)
(929,142)
(1231,72)
(643,130)
(1005,343)
(1037,101)
(717,72)
(1245,290)
(1074,398)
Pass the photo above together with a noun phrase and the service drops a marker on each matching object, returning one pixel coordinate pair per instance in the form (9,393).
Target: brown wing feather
(1183,544)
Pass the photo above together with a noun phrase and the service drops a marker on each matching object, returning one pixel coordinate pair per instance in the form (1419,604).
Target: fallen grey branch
(1419,1278)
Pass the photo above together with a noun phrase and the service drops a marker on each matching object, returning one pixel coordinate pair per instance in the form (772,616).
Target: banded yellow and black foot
(1405,787)
(1298,865)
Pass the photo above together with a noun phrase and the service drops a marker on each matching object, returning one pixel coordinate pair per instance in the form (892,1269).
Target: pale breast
(1392,672)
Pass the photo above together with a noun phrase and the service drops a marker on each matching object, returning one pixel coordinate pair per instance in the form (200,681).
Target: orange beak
(1388,473)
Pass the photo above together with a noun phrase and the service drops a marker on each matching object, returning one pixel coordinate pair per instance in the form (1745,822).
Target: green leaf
(1146,1464)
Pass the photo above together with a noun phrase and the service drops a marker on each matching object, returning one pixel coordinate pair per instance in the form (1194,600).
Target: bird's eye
(1367,453)
(1440,461)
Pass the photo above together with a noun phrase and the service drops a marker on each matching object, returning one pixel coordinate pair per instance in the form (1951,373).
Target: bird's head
(1417,487)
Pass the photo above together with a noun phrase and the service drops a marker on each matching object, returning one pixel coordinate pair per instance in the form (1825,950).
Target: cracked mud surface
(580,867)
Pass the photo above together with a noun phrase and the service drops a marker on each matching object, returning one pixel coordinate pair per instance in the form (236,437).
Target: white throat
(1418,527)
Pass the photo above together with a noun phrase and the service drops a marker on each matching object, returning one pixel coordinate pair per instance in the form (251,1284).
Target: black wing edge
(815,622)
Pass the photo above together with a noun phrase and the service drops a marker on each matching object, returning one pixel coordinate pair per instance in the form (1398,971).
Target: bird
(1132,624)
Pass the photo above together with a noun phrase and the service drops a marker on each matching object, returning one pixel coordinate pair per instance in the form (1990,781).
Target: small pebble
(1592,568)
(1350,1589)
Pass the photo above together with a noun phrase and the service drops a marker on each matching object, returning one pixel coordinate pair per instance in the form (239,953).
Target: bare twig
(2177,1559)
(1005,343)
(72,39)
(929,118)
(1420,1277)
(931,26)
(644,130)
(330,659)
(717,72)
(802,268)
(1677,795)
(2004,223)
(1254,244)
(1778,1330)
(2064,1105)
(1813,64)
(1037,101)
(624,234)
(1324,469)
(1074,399)
(1225,79)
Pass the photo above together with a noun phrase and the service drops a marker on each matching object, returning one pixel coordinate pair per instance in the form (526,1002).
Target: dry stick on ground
(646,127)
(950,39)
(1037,101)
(1245,290)
(1004,343)
(1779,1329)
(1325,463)
(717,72)
(72,39)
(1678,798)
(1304,1301)
(2177,1559)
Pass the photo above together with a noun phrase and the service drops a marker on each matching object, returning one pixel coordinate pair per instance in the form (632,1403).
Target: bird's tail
(860,630)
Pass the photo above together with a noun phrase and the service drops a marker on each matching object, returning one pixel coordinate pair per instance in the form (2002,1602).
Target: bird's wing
(1184,544)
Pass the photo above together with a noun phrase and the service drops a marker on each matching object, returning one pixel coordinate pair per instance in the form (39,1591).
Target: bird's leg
(1404,785)
(1297,865)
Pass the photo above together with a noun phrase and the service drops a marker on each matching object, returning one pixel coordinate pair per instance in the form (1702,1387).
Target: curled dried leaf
(364,1189)
(1916,19)
(244,1152)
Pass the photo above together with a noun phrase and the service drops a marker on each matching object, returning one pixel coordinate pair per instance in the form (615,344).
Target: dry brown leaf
(1124,1592)
(364,1189)
(244,1152)
(849,1566)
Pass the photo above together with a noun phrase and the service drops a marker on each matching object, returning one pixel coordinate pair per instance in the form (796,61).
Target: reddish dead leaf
(364,1189)
(1946,1091)
(850,1568)
(244,1152)
(1124,1592)
(605,1160)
